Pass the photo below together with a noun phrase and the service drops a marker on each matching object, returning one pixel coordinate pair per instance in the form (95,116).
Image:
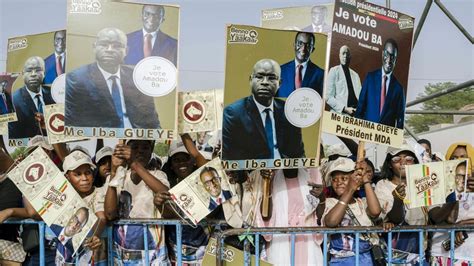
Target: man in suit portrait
(103,94)
(55,63)
(318,23)
(130,236)
(343,85)
(151,41)
(6,105)
(74,226)
(211,181)
(255,127)
(301,72)
(382,99)
(30,100)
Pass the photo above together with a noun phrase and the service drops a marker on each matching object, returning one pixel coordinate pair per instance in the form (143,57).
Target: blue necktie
(3,105)
(269,132)
(116,98)
(39,103)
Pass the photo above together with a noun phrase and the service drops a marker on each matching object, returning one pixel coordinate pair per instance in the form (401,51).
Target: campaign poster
(231,256)
(38,59)
(3,128)
(369,61)
(271,116)
(208,143)
(122,73)
(198,111)
(54,198)
(317,18)
(7,109)
(436,183)
(202,191)
(54,122)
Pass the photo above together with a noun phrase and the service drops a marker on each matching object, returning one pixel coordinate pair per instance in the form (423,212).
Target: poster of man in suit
(118,71)
(368,78)
(259,130)
(29,92)
(7,109)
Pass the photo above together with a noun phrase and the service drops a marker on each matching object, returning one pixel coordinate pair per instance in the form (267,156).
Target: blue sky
(442,53)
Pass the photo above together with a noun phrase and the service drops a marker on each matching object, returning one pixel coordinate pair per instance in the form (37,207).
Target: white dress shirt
(263,116)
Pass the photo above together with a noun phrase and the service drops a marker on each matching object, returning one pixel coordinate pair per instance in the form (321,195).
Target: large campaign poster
(317,18)
(272,111)
(436,183)
(7,109)
(122,73)
(369,61)
(39,59)
(54,198)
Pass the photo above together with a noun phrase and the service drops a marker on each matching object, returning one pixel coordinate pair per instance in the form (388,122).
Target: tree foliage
(449,102)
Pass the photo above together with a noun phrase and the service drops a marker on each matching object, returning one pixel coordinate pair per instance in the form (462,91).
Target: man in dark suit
(301,72)
(6,105)
(211,182)
(103,94)
(130,236)
(151,41)
(255,127)
(30,100)
(318,23)
(382,98)
(55,63)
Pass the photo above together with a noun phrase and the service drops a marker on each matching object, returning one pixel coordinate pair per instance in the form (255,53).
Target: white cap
(104,152)
(405,147)
(177,147)
(342,164)
(339,149)
(80,148)
(41,142)
(76,159)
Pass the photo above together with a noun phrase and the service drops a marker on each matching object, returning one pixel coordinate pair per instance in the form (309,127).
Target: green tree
(452,101)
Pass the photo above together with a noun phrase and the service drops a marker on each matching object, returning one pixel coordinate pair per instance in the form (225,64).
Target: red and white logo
(56,123)
(194,111)
(34,173)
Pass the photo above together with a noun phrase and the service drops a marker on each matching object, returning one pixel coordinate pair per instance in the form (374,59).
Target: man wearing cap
(255,127)
(129,173)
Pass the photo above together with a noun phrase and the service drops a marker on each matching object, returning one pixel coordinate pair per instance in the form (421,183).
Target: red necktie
(219,201)
(298,76)
(383,93)
(59,65)
(147,45)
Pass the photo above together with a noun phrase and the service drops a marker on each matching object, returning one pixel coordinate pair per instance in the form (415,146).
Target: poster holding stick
(54,198)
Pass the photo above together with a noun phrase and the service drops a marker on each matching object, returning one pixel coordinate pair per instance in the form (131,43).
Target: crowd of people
(129,181)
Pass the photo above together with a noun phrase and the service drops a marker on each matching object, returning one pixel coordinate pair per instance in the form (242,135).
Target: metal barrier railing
(257,232)
(109,234)
(293,231)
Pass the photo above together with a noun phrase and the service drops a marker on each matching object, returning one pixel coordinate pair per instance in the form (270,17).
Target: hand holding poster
(436,183)
(202,191)
(275,122)
(368,76)
(122,82)
(54,198)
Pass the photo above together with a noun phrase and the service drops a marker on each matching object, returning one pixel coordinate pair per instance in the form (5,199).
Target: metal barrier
(109,234)
(293,231)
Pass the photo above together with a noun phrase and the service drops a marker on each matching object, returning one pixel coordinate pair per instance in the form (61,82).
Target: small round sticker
(58,89)
(155,76)
(34,173)
(303,107)
(56,123)
(194,111)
